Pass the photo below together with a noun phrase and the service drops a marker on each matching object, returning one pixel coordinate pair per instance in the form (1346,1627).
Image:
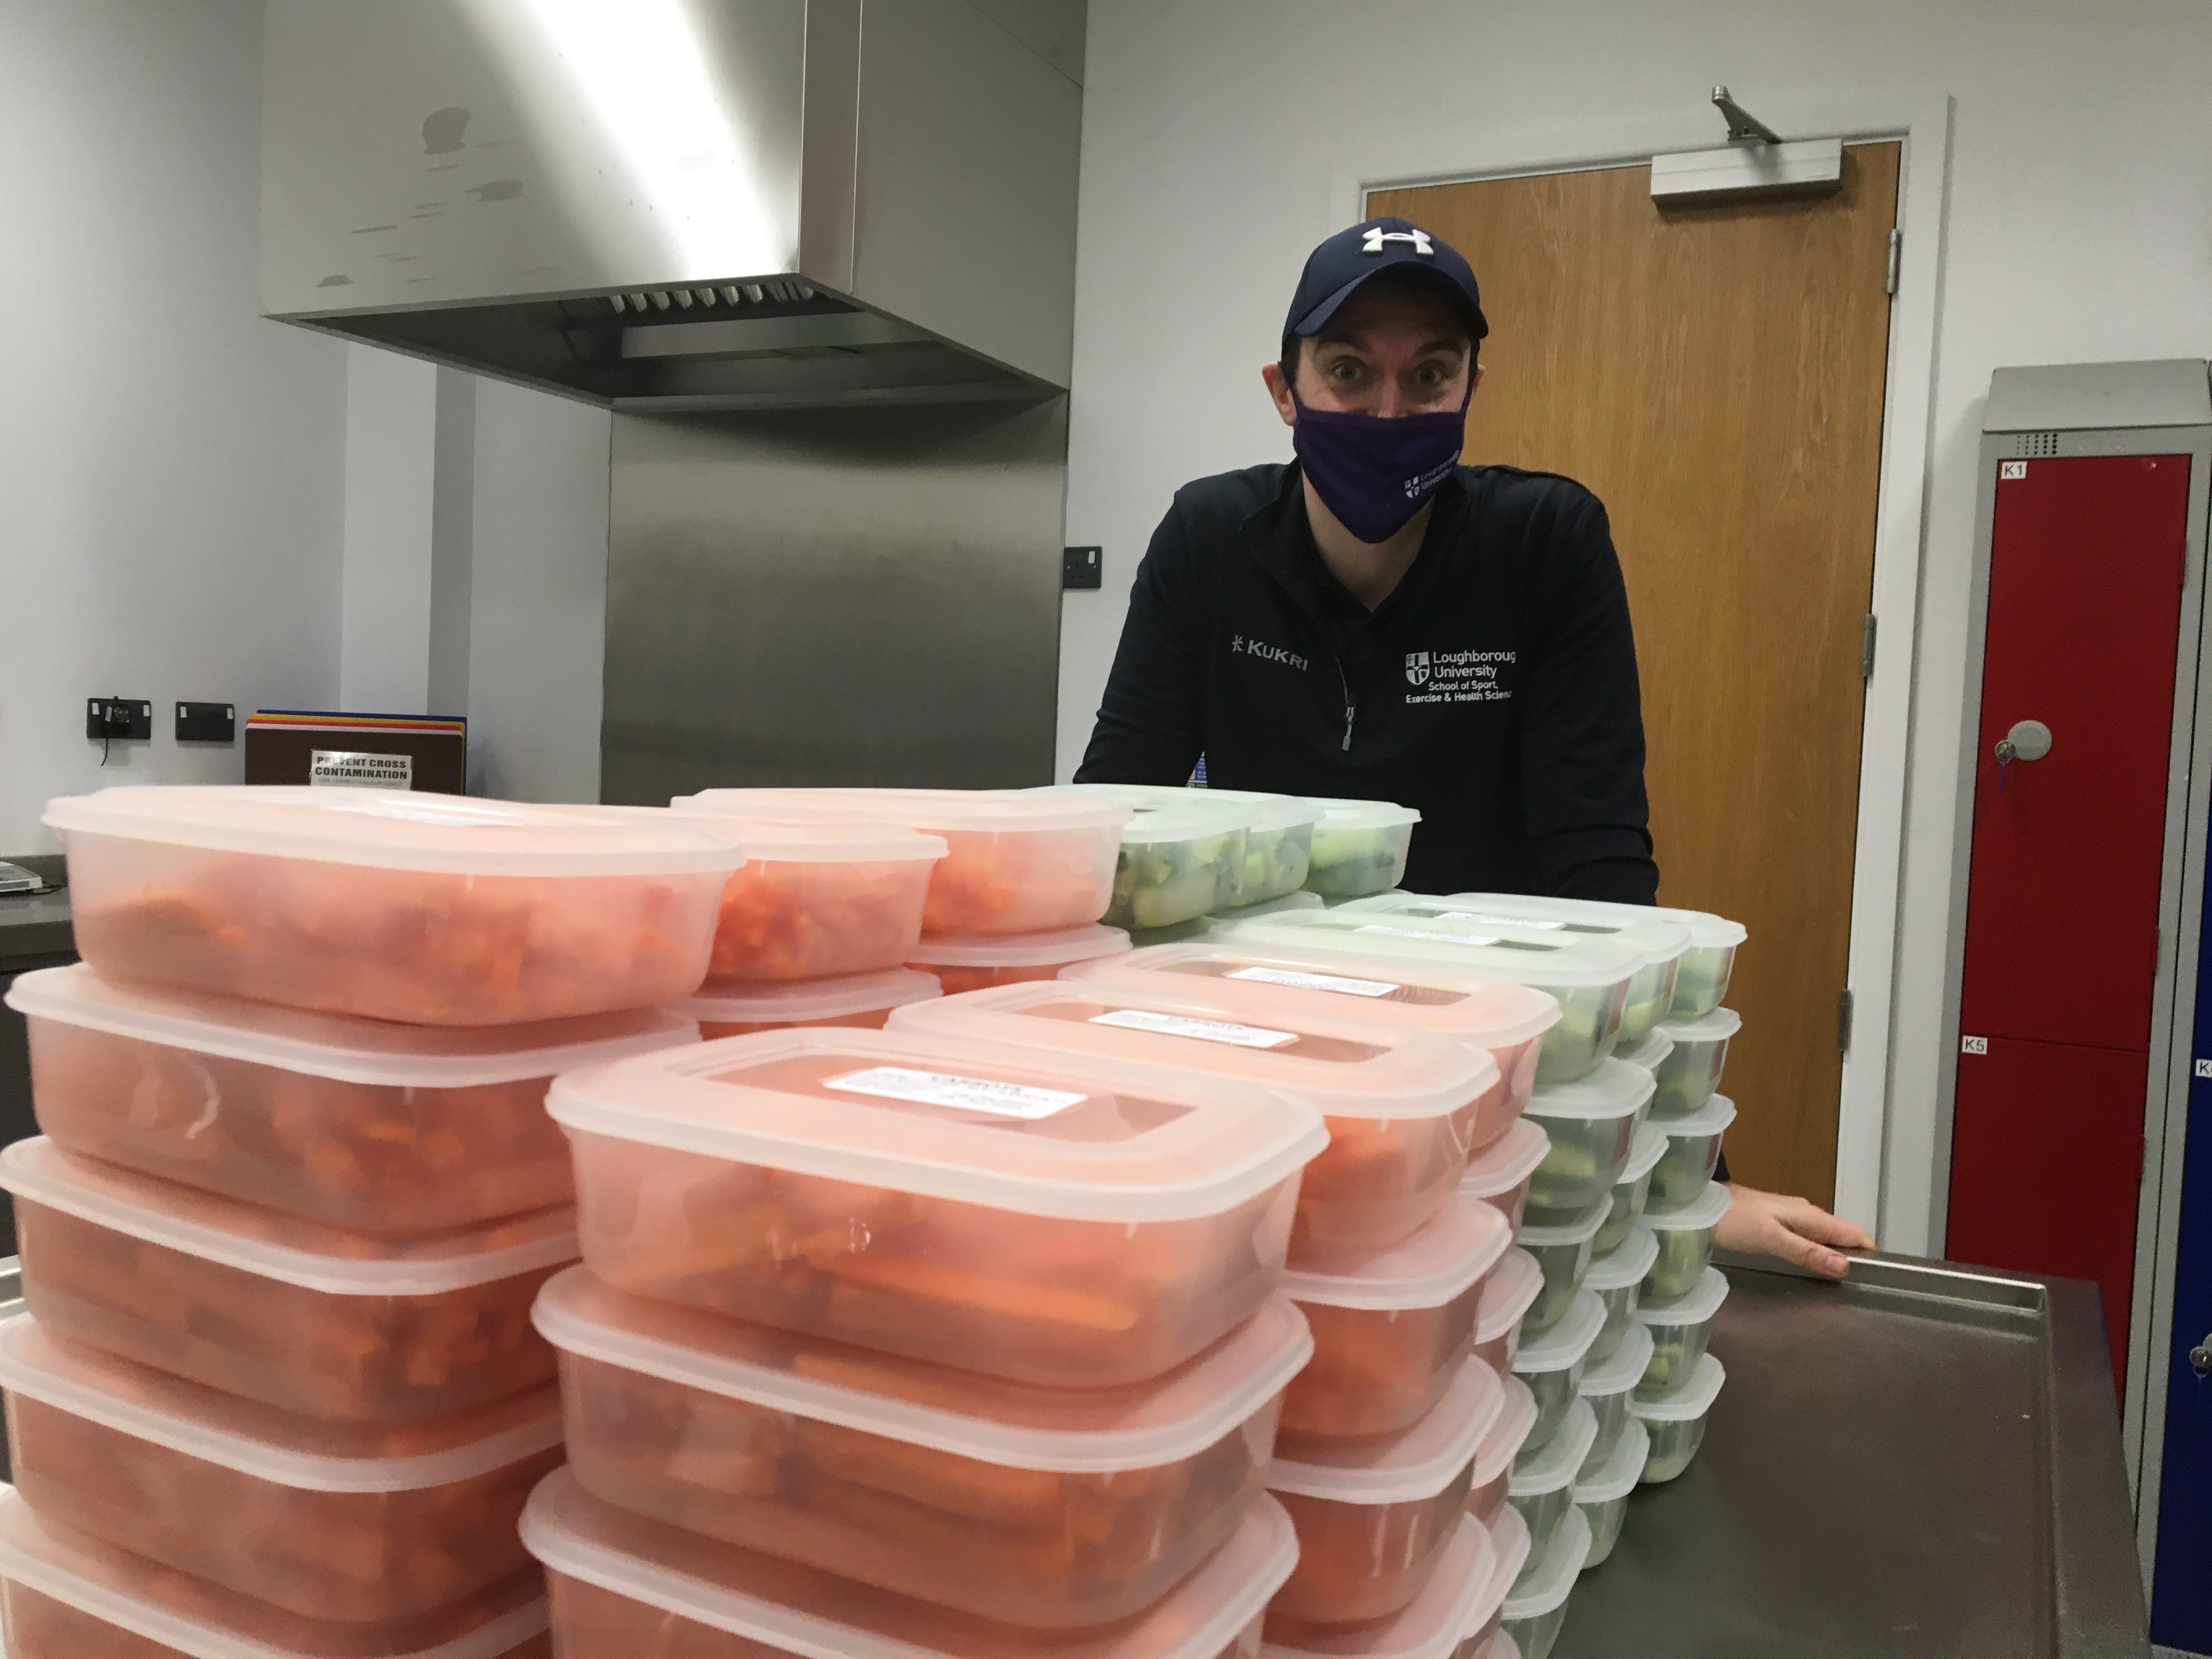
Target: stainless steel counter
(1923,1462)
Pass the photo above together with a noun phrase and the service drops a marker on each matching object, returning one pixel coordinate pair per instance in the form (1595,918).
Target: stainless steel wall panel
(846,597)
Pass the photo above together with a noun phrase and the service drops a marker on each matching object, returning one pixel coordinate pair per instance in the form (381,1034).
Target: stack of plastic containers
(277,1389)
(1020,878)
(890,1343)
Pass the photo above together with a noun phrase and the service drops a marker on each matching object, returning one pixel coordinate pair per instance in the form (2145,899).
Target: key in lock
(2028,740)
(2200,1358)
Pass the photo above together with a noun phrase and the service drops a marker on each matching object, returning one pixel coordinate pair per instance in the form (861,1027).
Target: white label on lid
(1205,1030)
(969,1094)
(1351,988)
(347,769)
(1423,933)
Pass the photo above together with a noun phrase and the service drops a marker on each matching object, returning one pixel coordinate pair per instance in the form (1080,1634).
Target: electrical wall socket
(207,722)
(106,718)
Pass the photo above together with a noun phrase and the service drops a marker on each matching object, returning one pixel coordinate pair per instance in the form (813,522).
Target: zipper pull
(1349,710)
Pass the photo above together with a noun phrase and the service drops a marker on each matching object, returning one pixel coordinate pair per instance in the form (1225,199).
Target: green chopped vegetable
(1685,1080)
(1629,1198)
(1276,862)
(1543,1512)
(1703,980)
(1676,1351)
(1683,1169)
(1673,1446)
(1351,863)
(1159,884)
(1564,1265)
(1647,1004)
(1684,1253)
(1555,1393)
(1586,1033)
(1619,1305)
(1605,1521)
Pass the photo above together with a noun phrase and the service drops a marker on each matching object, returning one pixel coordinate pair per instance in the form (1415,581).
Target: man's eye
(1345,371)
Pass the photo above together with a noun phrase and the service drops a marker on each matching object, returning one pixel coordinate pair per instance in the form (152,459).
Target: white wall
(2080,230)
(390,483)
(170,464)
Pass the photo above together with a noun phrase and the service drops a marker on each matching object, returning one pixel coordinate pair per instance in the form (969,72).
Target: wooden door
(1715,374)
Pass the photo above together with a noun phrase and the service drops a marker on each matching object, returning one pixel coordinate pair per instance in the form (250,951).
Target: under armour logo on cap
(1418,239)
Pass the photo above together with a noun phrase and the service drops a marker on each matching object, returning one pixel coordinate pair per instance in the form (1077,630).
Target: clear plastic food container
(1507,1296)
(979,963)
(1509,1543)
(1182,852)
(331,1523)
(1017,860)
(1686,1243)
(1500,1173)
(1542,1485)
(1432,1625)
(1551,1365)
(1373,1517)
(1680,1330)
(1054,1219)
(1589,977)
(1616,1278)
(342,1326)
(382,1128)
(1390,1332)
(1631,1193)
(1358,847)
(1300,900)
(1692,1069)
(1403,1106)
(1601,1494)
(1537,1608)
(622,1584)
(70,1596)
(428,909)
(1026,1505)
(1650,1054)
(818,901)
(1501,1446)
(861,1001)
(1608,1383)
(1660,943)
(1592,1124)
(1694,1152)
(1506,1021)
(1676,1420)
(1703,979)
(1278,843)
(1563,1253)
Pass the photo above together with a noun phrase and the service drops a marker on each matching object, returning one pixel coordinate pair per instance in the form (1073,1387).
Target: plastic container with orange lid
(1506,1020)
(1375,1516)
(342,1327)
(977,964)
(1391,1331)
(68,1595)
(623,1584)
(1403,1106)
(1432,1624)
(384,1128)
(428,910)
(1500,1173)
(1047,1507)
(862,1001)
(1054,1219)
(343,1523)
(1509,1538)
(1507,1296)
(1017,860)
(819,901)
(1501,1447)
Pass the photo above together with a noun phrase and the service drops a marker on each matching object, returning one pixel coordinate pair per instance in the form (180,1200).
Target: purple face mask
(1374,470)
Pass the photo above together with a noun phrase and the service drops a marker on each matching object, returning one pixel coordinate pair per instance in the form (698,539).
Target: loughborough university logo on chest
(1438,677)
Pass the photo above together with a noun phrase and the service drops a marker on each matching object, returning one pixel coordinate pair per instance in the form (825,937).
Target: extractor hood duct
(670,205)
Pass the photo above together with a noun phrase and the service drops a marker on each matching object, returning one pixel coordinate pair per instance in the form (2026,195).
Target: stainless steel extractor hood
(672,205)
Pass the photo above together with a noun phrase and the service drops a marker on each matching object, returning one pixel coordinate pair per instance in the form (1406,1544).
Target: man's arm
(1581,762)
(1150,724)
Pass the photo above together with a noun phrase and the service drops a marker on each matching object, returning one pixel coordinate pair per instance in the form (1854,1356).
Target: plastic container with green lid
(326,1520)
(1588,976)
(1631,1194)
(68,1595)
(1616,1278)
(1048,1507)
(1691,1070)
(1058,1217)
(1662,942)
(622,1583)
(1432,1625)
(427,909)
(863,1001)
(1017,860)
(981,960)
(1676,1420)
(1403,1106)
(348,1122)
(1592,1123)
(1359,847)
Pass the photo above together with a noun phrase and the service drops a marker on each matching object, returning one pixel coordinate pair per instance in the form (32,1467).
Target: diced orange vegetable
(1379,1181)
(1361,1561)
(1375,1371)
(1019,884)
(793,918)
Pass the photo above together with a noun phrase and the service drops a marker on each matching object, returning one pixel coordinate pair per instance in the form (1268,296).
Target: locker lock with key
(2028,740)
(2200,1358)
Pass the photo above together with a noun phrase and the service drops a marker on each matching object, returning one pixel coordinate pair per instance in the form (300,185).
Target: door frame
(1920,121)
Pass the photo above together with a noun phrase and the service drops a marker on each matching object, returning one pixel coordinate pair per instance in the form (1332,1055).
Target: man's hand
(1796,1230)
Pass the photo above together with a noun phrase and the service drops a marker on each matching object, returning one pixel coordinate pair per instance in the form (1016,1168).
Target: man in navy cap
(1374,620)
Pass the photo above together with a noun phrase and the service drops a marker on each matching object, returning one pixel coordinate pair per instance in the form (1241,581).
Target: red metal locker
(2086,568)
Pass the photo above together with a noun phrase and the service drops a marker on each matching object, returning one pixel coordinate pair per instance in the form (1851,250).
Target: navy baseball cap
(1335,270)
